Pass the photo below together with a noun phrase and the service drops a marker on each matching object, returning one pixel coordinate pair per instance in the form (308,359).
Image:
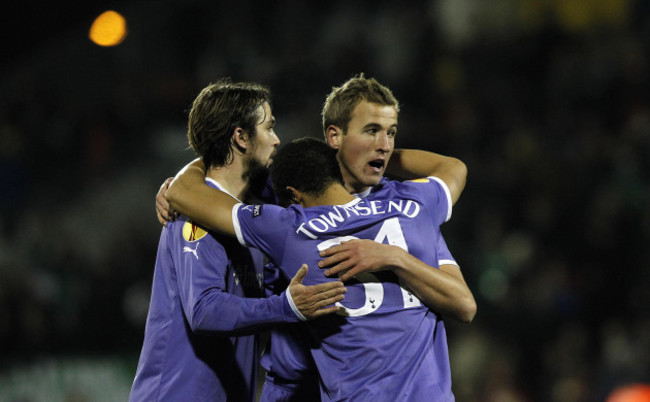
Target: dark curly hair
(307,164)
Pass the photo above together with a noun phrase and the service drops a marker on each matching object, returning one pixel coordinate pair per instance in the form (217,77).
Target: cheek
(353,159)
(353,151)
(268,144)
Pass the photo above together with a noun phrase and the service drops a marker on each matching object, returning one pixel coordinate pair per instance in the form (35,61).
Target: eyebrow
(377,125)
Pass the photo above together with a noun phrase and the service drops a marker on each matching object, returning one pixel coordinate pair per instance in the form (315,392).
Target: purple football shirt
(382,346)
(207,301)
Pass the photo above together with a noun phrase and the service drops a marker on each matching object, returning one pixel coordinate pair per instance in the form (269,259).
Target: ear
(296,196)
(333,136)
(240,138)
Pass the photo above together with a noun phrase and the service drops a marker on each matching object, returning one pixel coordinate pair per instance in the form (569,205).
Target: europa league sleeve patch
(257,210)
(193,232)
(424,180)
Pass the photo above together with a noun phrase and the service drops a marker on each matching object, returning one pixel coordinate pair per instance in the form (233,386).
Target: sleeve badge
(193,232)
(423,180)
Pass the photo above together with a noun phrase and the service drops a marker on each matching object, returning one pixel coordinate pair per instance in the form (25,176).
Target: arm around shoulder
(443,290)
(415,163)
(189,195)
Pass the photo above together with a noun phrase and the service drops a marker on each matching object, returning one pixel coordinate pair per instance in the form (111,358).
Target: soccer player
(380,347)
(207,297)
(360,122)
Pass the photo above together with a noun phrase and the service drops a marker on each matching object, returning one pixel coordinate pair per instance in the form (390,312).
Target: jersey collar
(220,187)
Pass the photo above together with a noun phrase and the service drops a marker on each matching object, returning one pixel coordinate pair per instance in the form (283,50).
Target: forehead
(366,112)
(264,113)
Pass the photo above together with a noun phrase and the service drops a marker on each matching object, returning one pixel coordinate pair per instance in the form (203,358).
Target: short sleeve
(431,192)
(262,226)
(444,255)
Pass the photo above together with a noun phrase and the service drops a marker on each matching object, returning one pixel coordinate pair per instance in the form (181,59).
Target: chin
(372,181)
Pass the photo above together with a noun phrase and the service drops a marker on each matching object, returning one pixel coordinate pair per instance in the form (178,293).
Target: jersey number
(391,232)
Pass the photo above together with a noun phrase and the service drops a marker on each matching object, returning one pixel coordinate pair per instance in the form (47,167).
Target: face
(364,151)
(264,144)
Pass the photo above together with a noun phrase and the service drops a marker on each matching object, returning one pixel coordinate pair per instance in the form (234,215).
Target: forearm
(443,290)
(220,313)
(189,195)
(415,163)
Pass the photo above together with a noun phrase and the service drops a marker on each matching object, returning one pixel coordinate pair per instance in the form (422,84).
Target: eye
(392,133)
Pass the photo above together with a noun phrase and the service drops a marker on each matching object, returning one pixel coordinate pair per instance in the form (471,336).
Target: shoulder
(184,236)
(261,211)
(431,191)
(423,185)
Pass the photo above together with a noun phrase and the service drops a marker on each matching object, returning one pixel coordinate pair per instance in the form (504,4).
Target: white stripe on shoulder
(235,224)
(220,187)
(448,262)
(447,192)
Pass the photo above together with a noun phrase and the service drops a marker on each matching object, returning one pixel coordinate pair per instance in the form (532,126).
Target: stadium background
(545,100)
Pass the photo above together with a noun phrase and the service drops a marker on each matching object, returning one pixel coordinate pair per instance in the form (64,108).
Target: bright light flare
(108,29)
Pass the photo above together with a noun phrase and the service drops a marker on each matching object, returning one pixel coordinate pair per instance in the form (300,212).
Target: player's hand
(312,301)
(163,210)
(354,257)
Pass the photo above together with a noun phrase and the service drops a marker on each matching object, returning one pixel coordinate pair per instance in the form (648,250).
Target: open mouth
(377,164)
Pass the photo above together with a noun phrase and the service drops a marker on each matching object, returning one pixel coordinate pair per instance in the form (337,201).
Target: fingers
(344,245)
(342,267)
(333,293)
(313,300)
(327,311)
(326,287)
(348,275)
(324,298)
(319,307)
(332,260)
(300,275)
(162,214)
(331,299)
(329,251)
(162,220)
(163,210)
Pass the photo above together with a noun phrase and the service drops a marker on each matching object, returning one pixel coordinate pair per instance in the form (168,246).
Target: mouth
(271,158)
(377,165)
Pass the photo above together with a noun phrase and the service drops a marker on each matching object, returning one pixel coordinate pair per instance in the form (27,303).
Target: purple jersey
(207,299)
(382,347)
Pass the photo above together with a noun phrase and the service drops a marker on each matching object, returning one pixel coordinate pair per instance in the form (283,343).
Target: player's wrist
(295,311)
(396,259)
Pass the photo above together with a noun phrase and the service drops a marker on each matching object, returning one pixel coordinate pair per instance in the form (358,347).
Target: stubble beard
(256,175)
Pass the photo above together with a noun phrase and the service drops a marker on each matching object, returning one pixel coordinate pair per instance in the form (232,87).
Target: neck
(234,177)
(352,185)
(335,194)
(356,189)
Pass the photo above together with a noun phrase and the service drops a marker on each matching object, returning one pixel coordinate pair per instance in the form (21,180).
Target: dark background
(545,100)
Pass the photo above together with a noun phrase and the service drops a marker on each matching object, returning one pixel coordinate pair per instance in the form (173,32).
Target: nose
(276,140)
(384,143)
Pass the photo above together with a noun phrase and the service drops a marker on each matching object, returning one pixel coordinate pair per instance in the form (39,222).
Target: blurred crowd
(547,102)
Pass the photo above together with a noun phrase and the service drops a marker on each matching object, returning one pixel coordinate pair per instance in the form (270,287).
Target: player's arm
(220,313)
(189,195)
(164,211)
(415,163)
(210,309)
(443,290)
